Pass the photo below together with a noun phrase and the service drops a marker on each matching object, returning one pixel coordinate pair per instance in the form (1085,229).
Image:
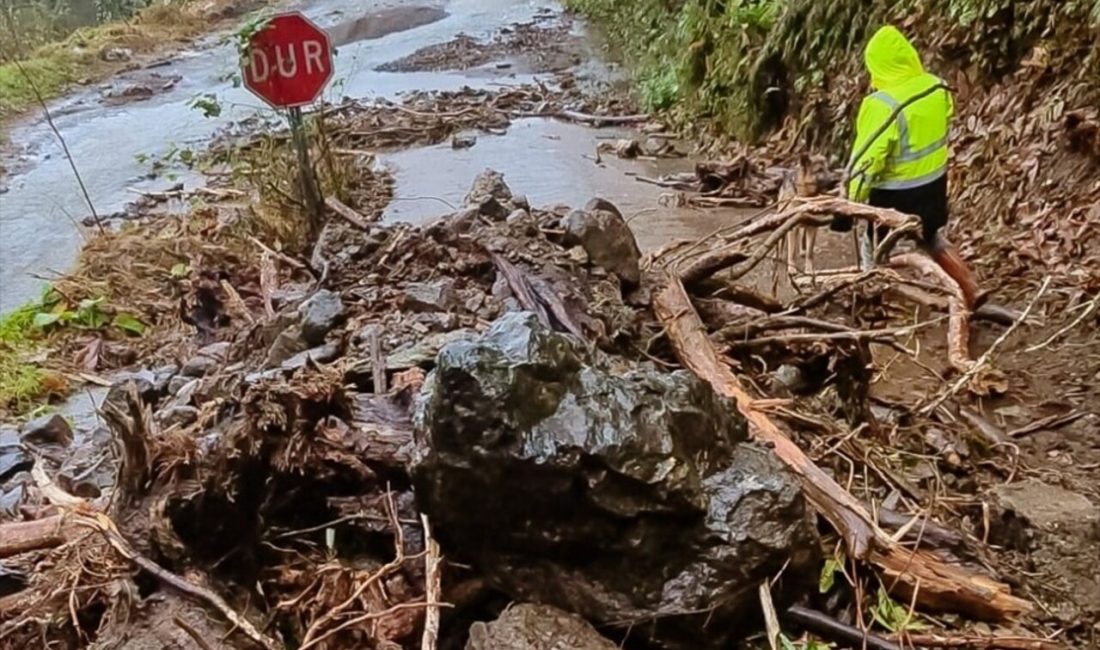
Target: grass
(23,381)
(54,67)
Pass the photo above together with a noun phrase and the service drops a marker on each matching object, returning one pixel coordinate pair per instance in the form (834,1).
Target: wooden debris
(935,585)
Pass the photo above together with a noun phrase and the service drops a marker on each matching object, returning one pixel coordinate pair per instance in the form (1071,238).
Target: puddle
(42,206)
(551,162)
(381,23)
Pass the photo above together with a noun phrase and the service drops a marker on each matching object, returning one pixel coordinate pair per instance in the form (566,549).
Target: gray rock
(520,202)
(10,500)
(607,239)
(163,376)
(13,456)
(536,627)
(430,296)
(1060,531)
(493,209)
(175,384)
(178,416)
(424,351)
(48,430)
(616,492)
(489,184)
(321,354)
(287,343)
(320,315)
(463,141)
(206,360)
(116,54)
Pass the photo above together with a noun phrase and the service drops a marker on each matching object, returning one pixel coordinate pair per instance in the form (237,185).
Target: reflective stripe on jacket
(912,150)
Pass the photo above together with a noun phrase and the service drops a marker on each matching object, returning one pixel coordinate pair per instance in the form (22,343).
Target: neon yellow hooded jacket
(912,151)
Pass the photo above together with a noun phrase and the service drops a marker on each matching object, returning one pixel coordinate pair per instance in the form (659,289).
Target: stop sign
(289,61)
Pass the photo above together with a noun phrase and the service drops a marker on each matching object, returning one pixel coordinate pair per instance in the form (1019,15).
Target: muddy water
(550,162)
(40,203)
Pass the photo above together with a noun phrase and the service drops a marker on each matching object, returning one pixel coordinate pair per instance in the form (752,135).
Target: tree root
(917,574)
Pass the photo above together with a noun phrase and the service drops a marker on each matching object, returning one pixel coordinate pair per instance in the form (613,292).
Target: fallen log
(24,536)
(808,213)
(913,574)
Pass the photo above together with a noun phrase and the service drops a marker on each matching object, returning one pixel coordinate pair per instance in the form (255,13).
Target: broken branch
(937,585)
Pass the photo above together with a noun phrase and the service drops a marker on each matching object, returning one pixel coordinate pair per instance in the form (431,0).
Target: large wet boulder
(614,491)
(604,234)
(536,627)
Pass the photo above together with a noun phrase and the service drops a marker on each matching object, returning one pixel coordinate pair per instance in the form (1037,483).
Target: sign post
(289,63)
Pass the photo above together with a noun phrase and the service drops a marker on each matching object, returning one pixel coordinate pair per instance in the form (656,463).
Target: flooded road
(113,145)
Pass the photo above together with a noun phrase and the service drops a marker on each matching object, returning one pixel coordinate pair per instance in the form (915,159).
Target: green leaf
(181,270)
(828,575)
(129,324)
(90,303)
(44,319)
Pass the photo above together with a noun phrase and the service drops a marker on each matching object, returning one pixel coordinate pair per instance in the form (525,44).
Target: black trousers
(929,202)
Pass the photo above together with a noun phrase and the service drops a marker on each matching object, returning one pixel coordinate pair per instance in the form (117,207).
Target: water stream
(41,205)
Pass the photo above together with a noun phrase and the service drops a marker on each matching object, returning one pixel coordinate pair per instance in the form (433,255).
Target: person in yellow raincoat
(904,167)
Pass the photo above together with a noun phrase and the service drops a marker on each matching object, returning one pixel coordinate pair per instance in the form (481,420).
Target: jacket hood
(891,58)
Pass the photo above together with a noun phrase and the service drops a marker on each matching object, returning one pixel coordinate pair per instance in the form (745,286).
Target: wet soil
(550,44)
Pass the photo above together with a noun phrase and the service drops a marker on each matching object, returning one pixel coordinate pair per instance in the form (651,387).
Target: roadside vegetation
(748,65)
(46,47)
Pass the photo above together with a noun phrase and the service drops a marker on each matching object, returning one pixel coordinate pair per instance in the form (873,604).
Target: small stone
(789,377)
(321,313)
(163,376)
(178,382)
(536,627)
(493,209)
(1029,508)
(520,202)
(603,232)
(178,416)
(474,302)
(488,184)
(186,392)
(578,255)
(13,456)
(10,500)
(430,296)
(463,141)
(116,54)
(48,430)
(206,360)
(322,354)
(288,343)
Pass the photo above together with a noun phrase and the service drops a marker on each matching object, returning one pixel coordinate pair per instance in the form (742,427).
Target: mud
(548,45)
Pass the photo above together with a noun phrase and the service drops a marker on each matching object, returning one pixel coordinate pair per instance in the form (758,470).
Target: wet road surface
(113,144)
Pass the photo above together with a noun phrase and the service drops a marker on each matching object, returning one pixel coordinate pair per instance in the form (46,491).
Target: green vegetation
(45,47)
(24,380)
(748,65)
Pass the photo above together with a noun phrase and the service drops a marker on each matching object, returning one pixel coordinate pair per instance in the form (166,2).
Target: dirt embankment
(382,435)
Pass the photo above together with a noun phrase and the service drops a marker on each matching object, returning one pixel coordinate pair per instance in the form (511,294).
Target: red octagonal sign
(289,61)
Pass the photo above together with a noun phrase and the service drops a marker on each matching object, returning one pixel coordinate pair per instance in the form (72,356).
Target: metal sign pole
(311,191)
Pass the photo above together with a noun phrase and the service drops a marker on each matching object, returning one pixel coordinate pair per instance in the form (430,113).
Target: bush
(748,65)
